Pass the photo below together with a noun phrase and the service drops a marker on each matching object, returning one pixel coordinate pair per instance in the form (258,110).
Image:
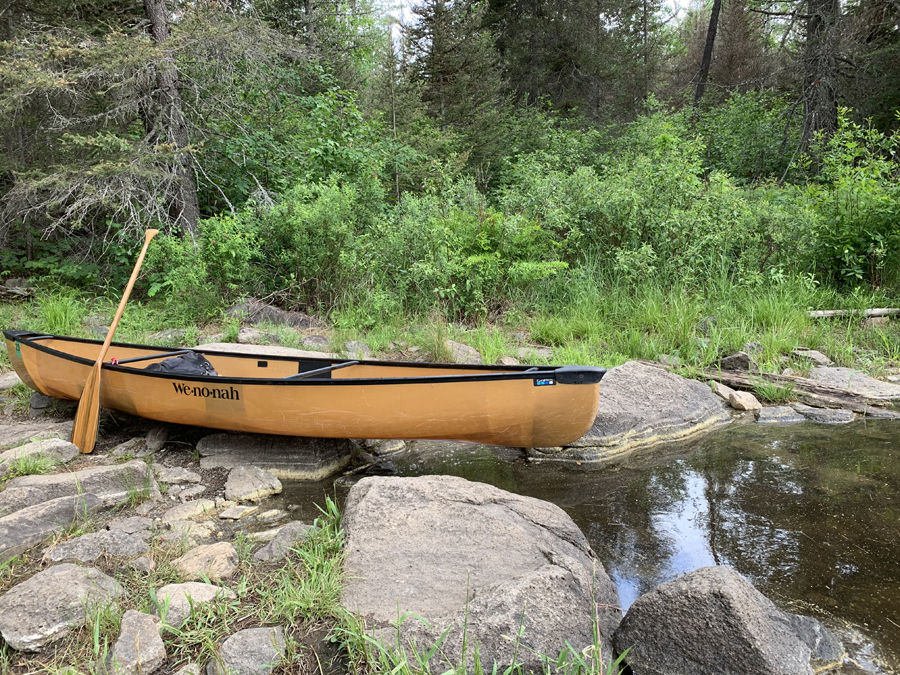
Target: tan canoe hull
(485,404)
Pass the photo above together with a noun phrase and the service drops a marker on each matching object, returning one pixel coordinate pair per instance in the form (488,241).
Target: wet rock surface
(824,415)
(779,414)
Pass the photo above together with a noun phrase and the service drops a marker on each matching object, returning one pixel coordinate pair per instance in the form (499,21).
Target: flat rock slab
(812,355)
(779,414)
(857,382)
(212,561)
(713,622)
(112,484)
(88,547)
(263,350)
(28,527)
(177,599)
(455,552)
(176,475)
(641,406)
(824,415)
(51,603)
(287,538)
(13,435)
(253,651)
(9,380)
(55,450)
(139,649)
(250,484)
(287,457)
(200,507)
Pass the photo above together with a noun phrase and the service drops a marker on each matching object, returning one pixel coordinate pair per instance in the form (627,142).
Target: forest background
(604,174)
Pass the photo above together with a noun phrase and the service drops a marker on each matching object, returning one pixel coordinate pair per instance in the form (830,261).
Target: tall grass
(61,313)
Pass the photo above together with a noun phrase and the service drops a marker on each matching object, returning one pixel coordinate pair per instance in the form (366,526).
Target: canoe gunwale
(562,374)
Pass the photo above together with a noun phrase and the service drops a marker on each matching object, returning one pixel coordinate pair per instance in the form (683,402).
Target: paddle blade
(87,419)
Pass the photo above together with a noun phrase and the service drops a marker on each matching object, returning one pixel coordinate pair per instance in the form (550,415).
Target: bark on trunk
(168,124)
(708,50)
(820,92)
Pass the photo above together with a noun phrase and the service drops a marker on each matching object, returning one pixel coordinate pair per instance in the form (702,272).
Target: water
(809,513)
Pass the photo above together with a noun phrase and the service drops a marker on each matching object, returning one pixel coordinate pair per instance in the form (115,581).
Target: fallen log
(825,313)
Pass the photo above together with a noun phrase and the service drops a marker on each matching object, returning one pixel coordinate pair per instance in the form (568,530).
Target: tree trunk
(820,91)
(168,125)
(708,50)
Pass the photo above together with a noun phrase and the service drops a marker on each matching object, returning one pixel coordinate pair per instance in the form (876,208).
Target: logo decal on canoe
(544,382)
(207,392)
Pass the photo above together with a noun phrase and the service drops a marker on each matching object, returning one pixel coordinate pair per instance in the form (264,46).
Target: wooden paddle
(87,419)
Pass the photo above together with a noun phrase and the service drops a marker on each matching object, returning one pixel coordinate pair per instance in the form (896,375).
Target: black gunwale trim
(517,372)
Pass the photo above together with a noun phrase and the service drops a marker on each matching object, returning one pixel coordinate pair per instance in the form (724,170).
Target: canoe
(517,406)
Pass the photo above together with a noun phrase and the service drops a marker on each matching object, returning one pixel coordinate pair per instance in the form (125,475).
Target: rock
(738,361)
(812,355)
(14,435)
(875,322)
(508,361)
(190,493)
(824,415)
(131,525)
(787,372)
(170,335)
(713,622)
(315,342)
(41,404)
(176,599)
(251,336)
(287,538)
(51,603)
(255,311)
(452,552)
(460,353)
(357,350)
(250,484)
(238,512)
(29,526)
(139,649)
(176,475)
(779,414)
(9,380)
(721,390)
(753,348)
(272,515)
(265,536)
(743,400)
(98,332)
(641,406)
(705,326)
(212,561)
(112,484)
(56,450)
(190,510)
(389,447)
(143,564)
(530,354)
(287,457)
(189,669)
(669,360)
(88,547)
(134,447)
(264,350)
(186,532)
(857,382)
(156,438)
(252,651)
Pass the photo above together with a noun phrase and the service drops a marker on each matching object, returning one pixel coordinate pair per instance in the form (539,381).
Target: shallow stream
(809,513)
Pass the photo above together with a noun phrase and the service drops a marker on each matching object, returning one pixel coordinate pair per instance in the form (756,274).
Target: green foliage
(36,464)
(61,313)
(774,393)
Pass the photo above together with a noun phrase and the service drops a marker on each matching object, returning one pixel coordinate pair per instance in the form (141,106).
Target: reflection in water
(809,513)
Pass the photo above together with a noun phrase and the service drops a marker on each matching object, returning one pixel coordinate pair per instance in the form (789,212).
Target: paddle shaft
(84,433)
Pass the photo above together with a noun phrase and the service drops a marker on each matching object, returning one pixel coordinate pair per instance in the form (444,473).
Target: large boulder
(28,527)
(475,561)
(640,406)
(255,311)
(712,621)
(52,603)
(286,457)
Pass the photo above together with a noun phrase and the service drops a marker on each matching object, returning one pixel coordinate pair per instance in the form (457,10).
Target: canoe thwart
(135,359)
(320,371)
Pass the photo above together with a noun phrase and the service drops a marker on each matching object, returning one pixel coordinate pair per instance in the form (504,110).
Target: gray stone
(779,414)
(131,525)
(14,435)
(287,457)
(143,564)
(265,536)
(508,361)
(175,600)
(55,450)
(824,415)
(263,350)
(238,512)
(170,335)
(139,649)
(252,651)
(98,332)
(251,336)
(40,404)
(212,561)
(156,438)
(738,361)
(669,360)
(315,342)
(201,507)
(857,382)
(52,603)
(134,447)
(453,552)
(112,484)
(812,355)
(287,538)
(255,311)
(186,532)
(176,475)
(29,526)
(250,484)
(39,401)
(721,390)
(641,406)
(753,348)
(88,547)
(272,515)
(357,350)
(743,400)
(530,354)
(190,493)
(705,326)
(460,353)
(189,669)
(389,447)
(713,622)
(875,322)
(9,380)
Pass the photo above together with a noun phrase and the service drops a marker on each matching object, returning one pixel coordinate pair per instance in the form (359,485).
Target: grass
(774,393)
(36,464)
